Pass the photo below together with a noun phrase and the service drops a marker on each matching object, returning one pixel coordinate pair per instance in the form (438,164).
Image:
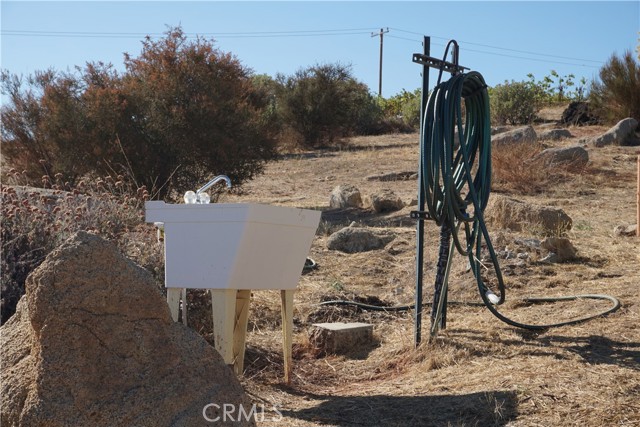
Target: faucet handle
(199,198)
(190,198)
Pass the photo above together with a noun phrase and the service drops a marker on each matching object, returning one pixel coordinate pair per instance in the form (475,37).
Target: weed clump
(34,221)
(520,169)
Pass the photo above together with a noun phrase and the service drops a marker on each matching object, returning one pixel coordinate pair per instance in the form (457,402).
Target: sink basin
(235,245)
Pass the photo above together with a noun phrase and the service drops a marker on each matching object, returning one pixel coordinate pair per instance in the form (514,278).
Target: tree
(41,126)
(616,94)
(323,103)
(181,112)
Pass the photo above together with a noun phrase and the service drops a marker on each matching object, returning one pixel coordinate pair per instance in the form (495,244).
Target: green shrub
(411,110)
(181,112)
(555,88)
(321,104)
(514,103)
(616,94)
(403,107)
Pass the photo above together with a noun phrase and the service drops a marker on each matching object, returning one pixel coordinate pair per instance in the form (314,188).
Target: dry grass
(478,372)
(517,168)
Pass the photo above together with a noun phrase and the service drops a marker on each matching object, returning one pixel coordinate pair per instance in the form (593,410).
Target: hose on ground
(615,304)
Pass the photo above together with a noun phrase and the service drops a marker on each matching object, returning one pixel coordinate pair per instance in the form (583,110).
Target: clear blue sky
(501,40)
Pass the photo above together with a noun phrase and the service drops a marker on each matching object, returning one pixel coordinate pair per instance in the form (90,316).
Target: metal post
(426,44)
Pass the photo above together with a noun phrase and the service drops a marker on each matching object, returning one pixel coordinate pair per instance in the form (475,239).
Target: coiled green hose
(455,161)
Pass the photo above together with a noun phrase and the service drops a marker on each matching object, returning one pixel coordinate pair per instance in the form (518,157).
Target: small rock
(554,135)
(551,258)
(626,230)
(520,135)
(345,196)
(519,263)
(398,247)
(359,239)
(530,243)
(623,133)
(506,254)
(561,246)
(385,201)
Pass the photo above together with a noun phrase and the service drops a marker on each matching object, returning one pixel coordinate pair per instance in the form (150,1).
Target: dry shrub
(36,220)
(518,168)
(616,94)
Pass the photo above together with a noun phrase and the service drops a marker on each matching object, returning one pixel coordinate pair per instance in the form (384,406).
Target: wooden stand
(286,296)
(230,309)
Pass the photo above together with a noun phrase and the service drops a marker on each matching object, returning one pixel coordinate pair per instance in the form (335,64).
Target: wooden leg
(183,295)
(287,331)
(223,303)
(173,299)
(243,299)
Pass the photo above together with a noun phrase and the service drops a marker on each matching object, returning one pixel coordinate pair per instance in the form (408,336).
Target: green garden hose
(455,163)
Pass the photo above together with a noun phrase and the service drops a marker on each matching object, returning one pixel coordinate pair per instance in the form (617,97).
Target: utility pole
(381,34)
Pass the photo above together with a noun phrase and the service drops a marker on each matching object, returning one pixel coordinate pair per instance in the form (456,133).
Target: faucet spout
(215,181)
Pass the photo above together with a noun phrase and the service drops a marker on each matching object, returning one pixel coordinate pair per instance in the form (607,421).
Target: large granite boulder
(93,344)
(574,156)
(554,134)
(623,133)
(524,134)
(511,214)
(359,239)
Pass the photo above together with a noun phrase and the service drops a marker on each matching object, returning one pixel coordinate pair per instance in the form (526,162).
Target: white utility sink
(234,246)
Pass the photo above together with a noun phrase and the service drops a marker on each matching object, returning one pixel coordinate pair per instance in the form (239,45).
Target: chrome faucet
(215,181)
(200,197)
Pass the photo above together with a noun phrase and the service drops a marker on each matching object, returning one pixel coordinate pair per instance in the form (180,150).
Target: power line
(247,34)
(413,40)
(295,33)
(549,61)
(504,48)
(292,33)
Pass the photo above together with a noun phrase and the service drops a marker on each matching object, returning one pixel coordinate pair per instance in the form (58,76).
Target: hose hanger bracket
(420,215)
(439,64)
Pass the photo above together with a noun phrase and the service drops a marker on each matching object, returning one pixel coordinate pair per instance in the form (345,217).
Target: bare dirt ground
(479,371)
